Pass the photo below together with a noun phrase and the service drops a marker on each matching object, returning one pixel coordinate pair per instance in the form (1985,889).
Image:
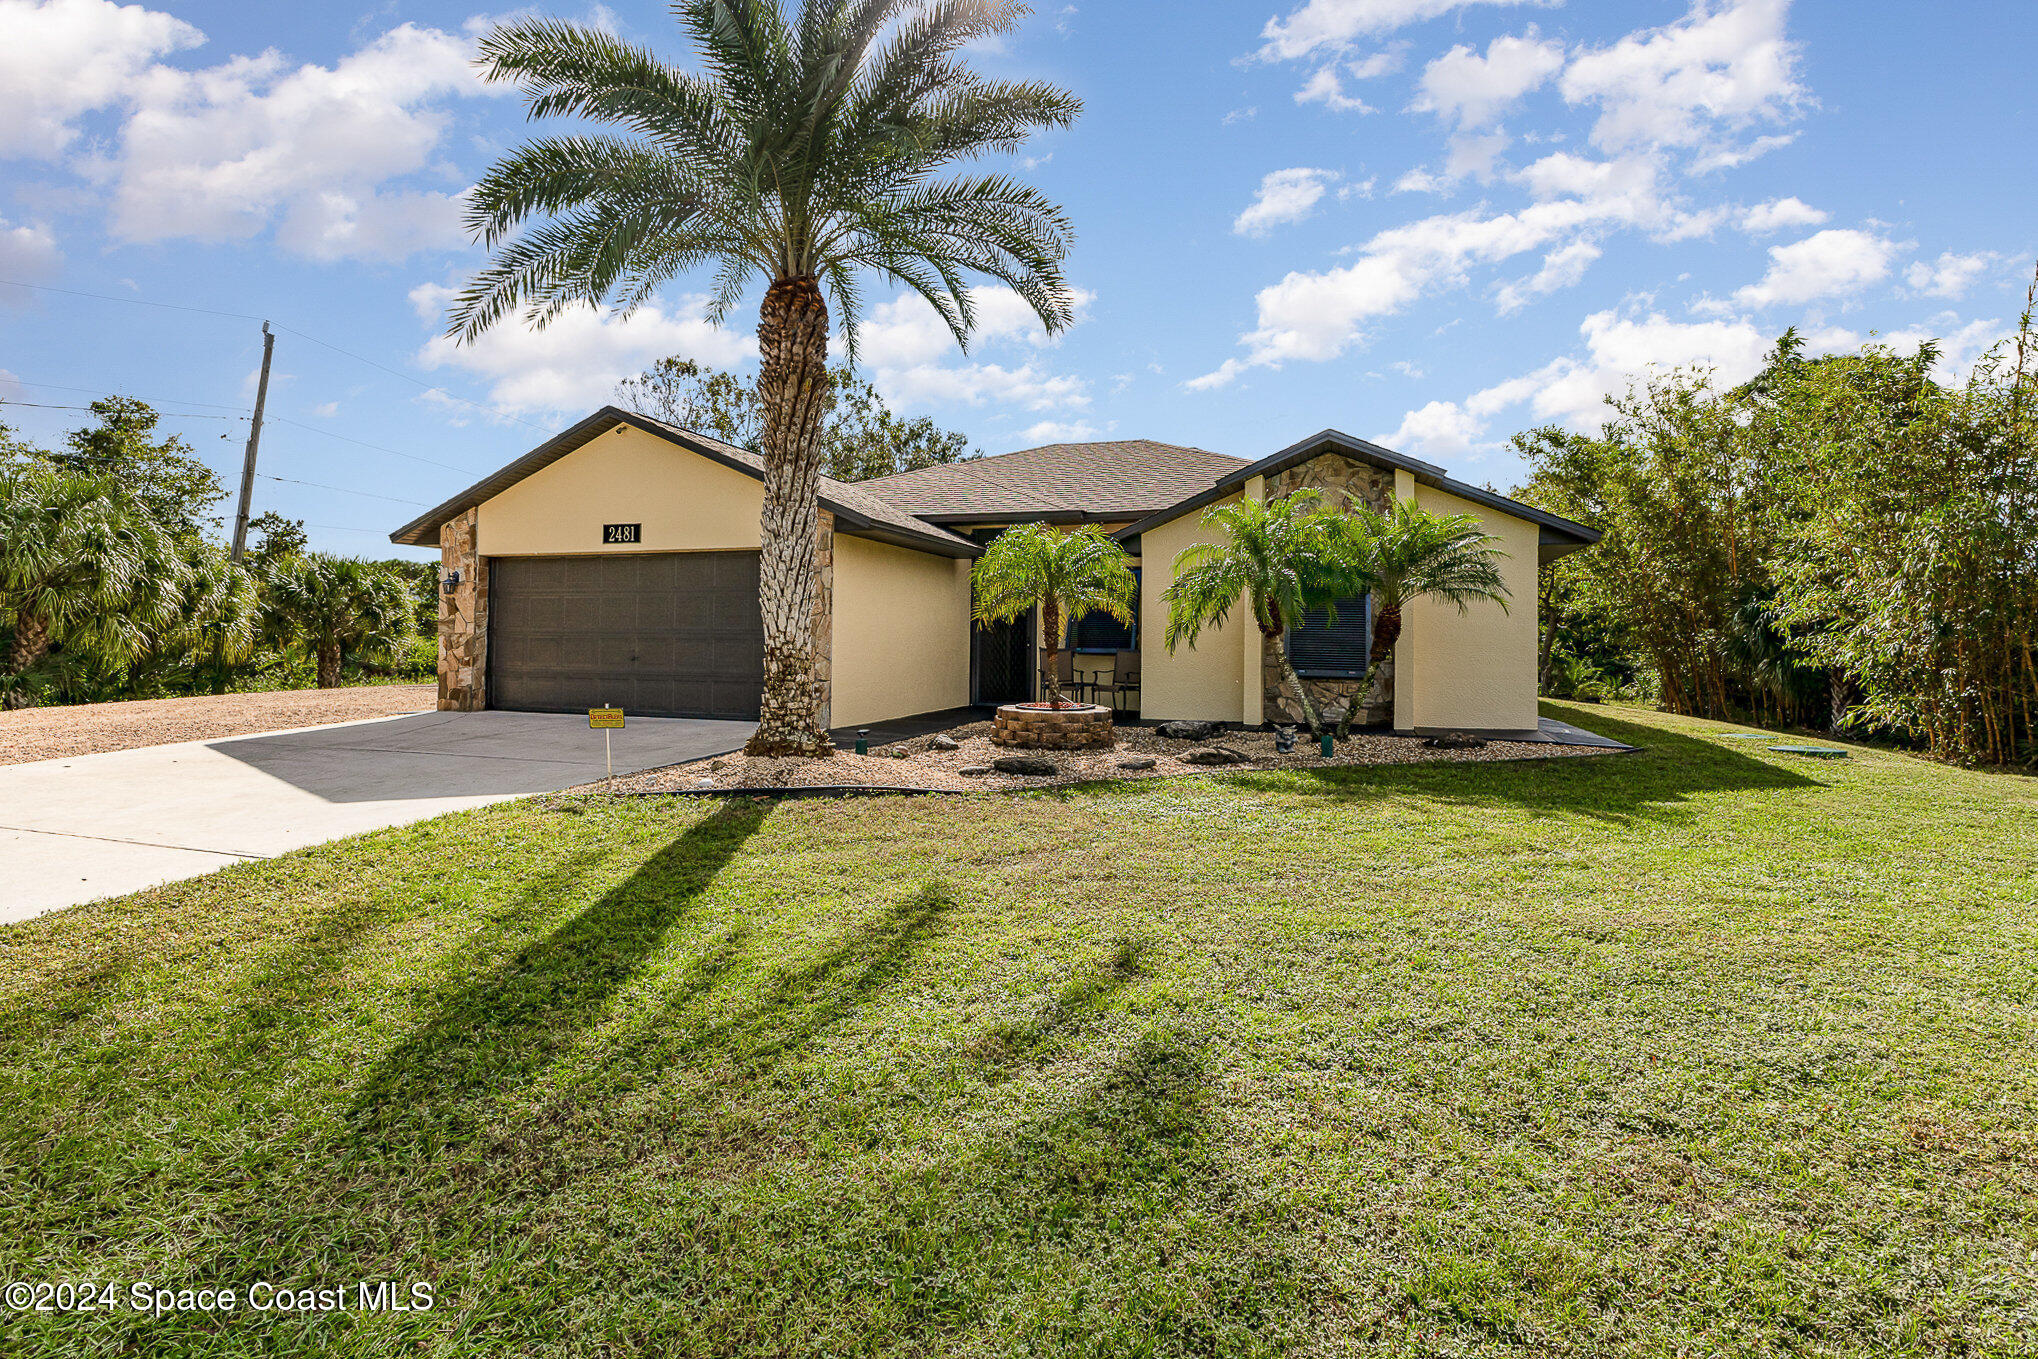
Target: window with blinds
(1319,648)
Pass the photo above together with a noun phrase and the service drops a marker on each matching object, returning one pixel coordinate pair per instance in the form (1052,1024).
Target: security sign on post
(606,720)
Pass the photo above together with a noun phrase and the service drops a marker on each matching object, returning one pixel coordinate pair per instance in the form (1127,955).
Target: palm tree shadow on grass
(1653,782)
(499,1031)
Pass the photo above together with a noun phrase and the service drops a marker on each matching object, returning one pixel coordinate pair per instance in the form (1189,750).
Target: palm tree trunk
(1295,684)
(792,386)
(328,665)
(31,643)
(1050,634)
(1386,632)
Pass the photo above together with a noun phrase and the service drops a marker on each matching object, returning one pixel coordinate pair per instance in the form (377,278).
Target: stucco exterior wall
(1476,670)
(1204,681)
(684,501)
(901,630)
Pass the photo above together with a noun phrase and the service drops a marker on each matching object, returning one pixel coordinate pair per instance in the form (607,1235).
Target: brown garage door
(664,634)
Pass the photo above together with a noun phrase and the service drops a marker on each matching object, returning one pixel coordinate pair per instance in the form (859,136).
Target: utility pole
(240,544)
(254,443)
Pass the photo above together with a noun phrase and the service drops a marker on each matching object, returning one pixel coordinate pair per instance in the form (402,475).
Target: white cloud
(1720,69)
(326,410)
(1284,196)
(1317,315)
(62,59)
(1057,432)
(908,350)
(1441,429)
(1335,24)
(573,364)
(1325,87)
(1829,264)
(1473,91)
(224,152)
(1951,274)
(1562,268)
(1780,214)
(28,253)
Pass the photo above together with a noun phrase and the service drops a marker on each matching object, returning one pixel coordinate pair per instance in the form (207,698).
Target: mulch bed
(924,767)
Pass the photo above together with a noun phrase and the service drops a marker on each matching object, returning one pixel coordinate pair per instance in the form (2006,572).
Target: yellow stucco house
(616,565)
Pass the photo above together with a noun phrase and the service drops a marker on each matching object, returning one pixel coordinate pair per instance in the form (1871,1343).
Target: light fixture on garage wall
(451,582)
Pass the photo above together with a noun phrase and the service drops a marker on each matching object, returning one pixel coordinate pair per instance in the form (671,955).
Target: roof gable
(856,512)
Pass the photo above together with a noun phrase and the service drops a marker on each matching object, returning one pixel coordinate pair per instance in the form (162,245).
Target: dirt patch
(924,766)
(89,728)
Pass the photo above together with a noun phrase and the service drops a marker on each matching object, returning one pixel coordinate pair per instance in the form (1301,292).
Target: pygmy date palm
(1404,554)
(1276,558)
(1068,574)
(808,151)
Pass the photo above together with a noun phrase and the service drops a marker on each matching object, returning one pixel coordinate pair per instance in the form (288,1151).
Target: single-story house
(616,565)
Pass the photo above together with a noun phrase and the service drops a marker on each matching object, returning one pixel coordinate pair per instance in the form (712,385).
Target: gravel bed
(89,728)
(926,767)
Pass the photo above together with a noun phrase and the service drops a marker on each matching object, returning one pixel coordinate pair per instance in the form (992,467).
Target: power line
(175,401)
(395,500)
(168,415)
(135,301)
(323,344)
(314,429)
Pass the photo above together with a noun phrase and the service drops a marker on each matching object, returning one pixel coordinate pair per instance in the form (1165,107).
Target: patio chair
(1124,680)
(1072,686)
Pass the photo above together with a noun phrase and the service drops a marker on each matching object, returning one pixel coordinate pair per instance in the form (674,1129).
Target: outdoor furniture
(1124,680)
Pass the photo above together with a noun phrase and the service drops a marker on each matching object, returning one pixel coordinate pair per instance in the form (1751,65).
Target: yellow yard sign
(605,719)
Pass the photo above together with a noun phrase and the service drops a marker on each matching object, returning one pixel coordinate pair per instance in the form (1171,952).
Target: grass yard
(1699,1051)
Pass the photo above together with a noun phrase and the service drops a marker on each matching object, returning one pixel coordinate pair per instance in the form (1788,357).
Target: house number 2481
(622,533)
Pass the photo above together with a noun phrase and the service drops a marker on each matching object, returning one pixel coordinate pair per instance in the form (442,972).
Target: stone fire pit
(1030,726)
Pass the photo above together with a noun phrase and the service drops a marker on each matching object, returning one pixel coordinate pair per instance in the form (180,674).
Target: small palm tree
(80,558)
(1068,574)
(1404,554)
(334,605)
(1277,557)
(807,151)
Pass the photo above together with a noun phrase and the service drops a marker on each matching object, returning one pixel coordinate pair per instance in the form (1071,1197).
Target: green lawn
(1698,1051)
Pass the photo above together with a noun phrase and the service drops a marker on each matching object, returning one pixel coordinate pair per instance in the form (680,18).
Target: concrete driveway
(93,826)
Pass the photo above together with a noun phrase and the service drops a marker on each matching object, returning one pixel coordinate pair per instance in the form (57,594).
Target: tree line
(1845,542)
(114,581)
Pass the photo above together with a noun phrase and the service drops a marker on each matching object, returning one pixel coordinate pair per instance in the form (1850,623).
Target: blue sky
(1431,222)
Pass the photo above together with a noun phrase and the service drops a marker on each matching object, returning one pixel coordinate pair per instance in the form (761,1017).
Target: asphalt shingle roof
(1121,479)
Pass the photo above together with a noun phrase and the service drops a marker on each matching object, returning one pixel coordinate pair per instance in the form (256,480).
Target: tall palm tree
(334,605)
(1277,557)
(806,153)
(1068,574)
(1404,554)
(81,558)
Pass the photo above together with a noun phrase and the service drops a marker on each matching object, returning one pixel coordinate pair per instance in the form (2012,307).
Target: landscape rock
(898,752)
(1138,762)
(1214,755)
(1455,741)
(1180,730)
(974,771)
(1025,764)
(945,742)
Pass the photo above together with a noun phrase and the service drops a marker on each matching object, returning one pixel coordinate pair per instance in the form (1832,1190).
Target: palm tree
(79,558)
(1277,557)
(806,153)
(1404,554)
(1068,574)
(335,605)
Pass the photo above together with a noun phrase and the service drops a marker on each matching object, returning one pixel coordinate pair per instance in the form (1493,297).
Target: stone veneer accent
(824,615)
(1334,475)
(1087,728)
(463,617)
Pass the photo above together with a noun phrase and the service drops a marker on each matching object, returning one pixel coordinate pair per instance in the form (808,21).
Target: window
(1101,633)
(1321,649)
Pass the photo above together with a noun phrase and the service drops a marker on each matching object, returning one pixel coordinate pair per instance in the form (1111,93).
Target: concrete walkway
(92,826)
